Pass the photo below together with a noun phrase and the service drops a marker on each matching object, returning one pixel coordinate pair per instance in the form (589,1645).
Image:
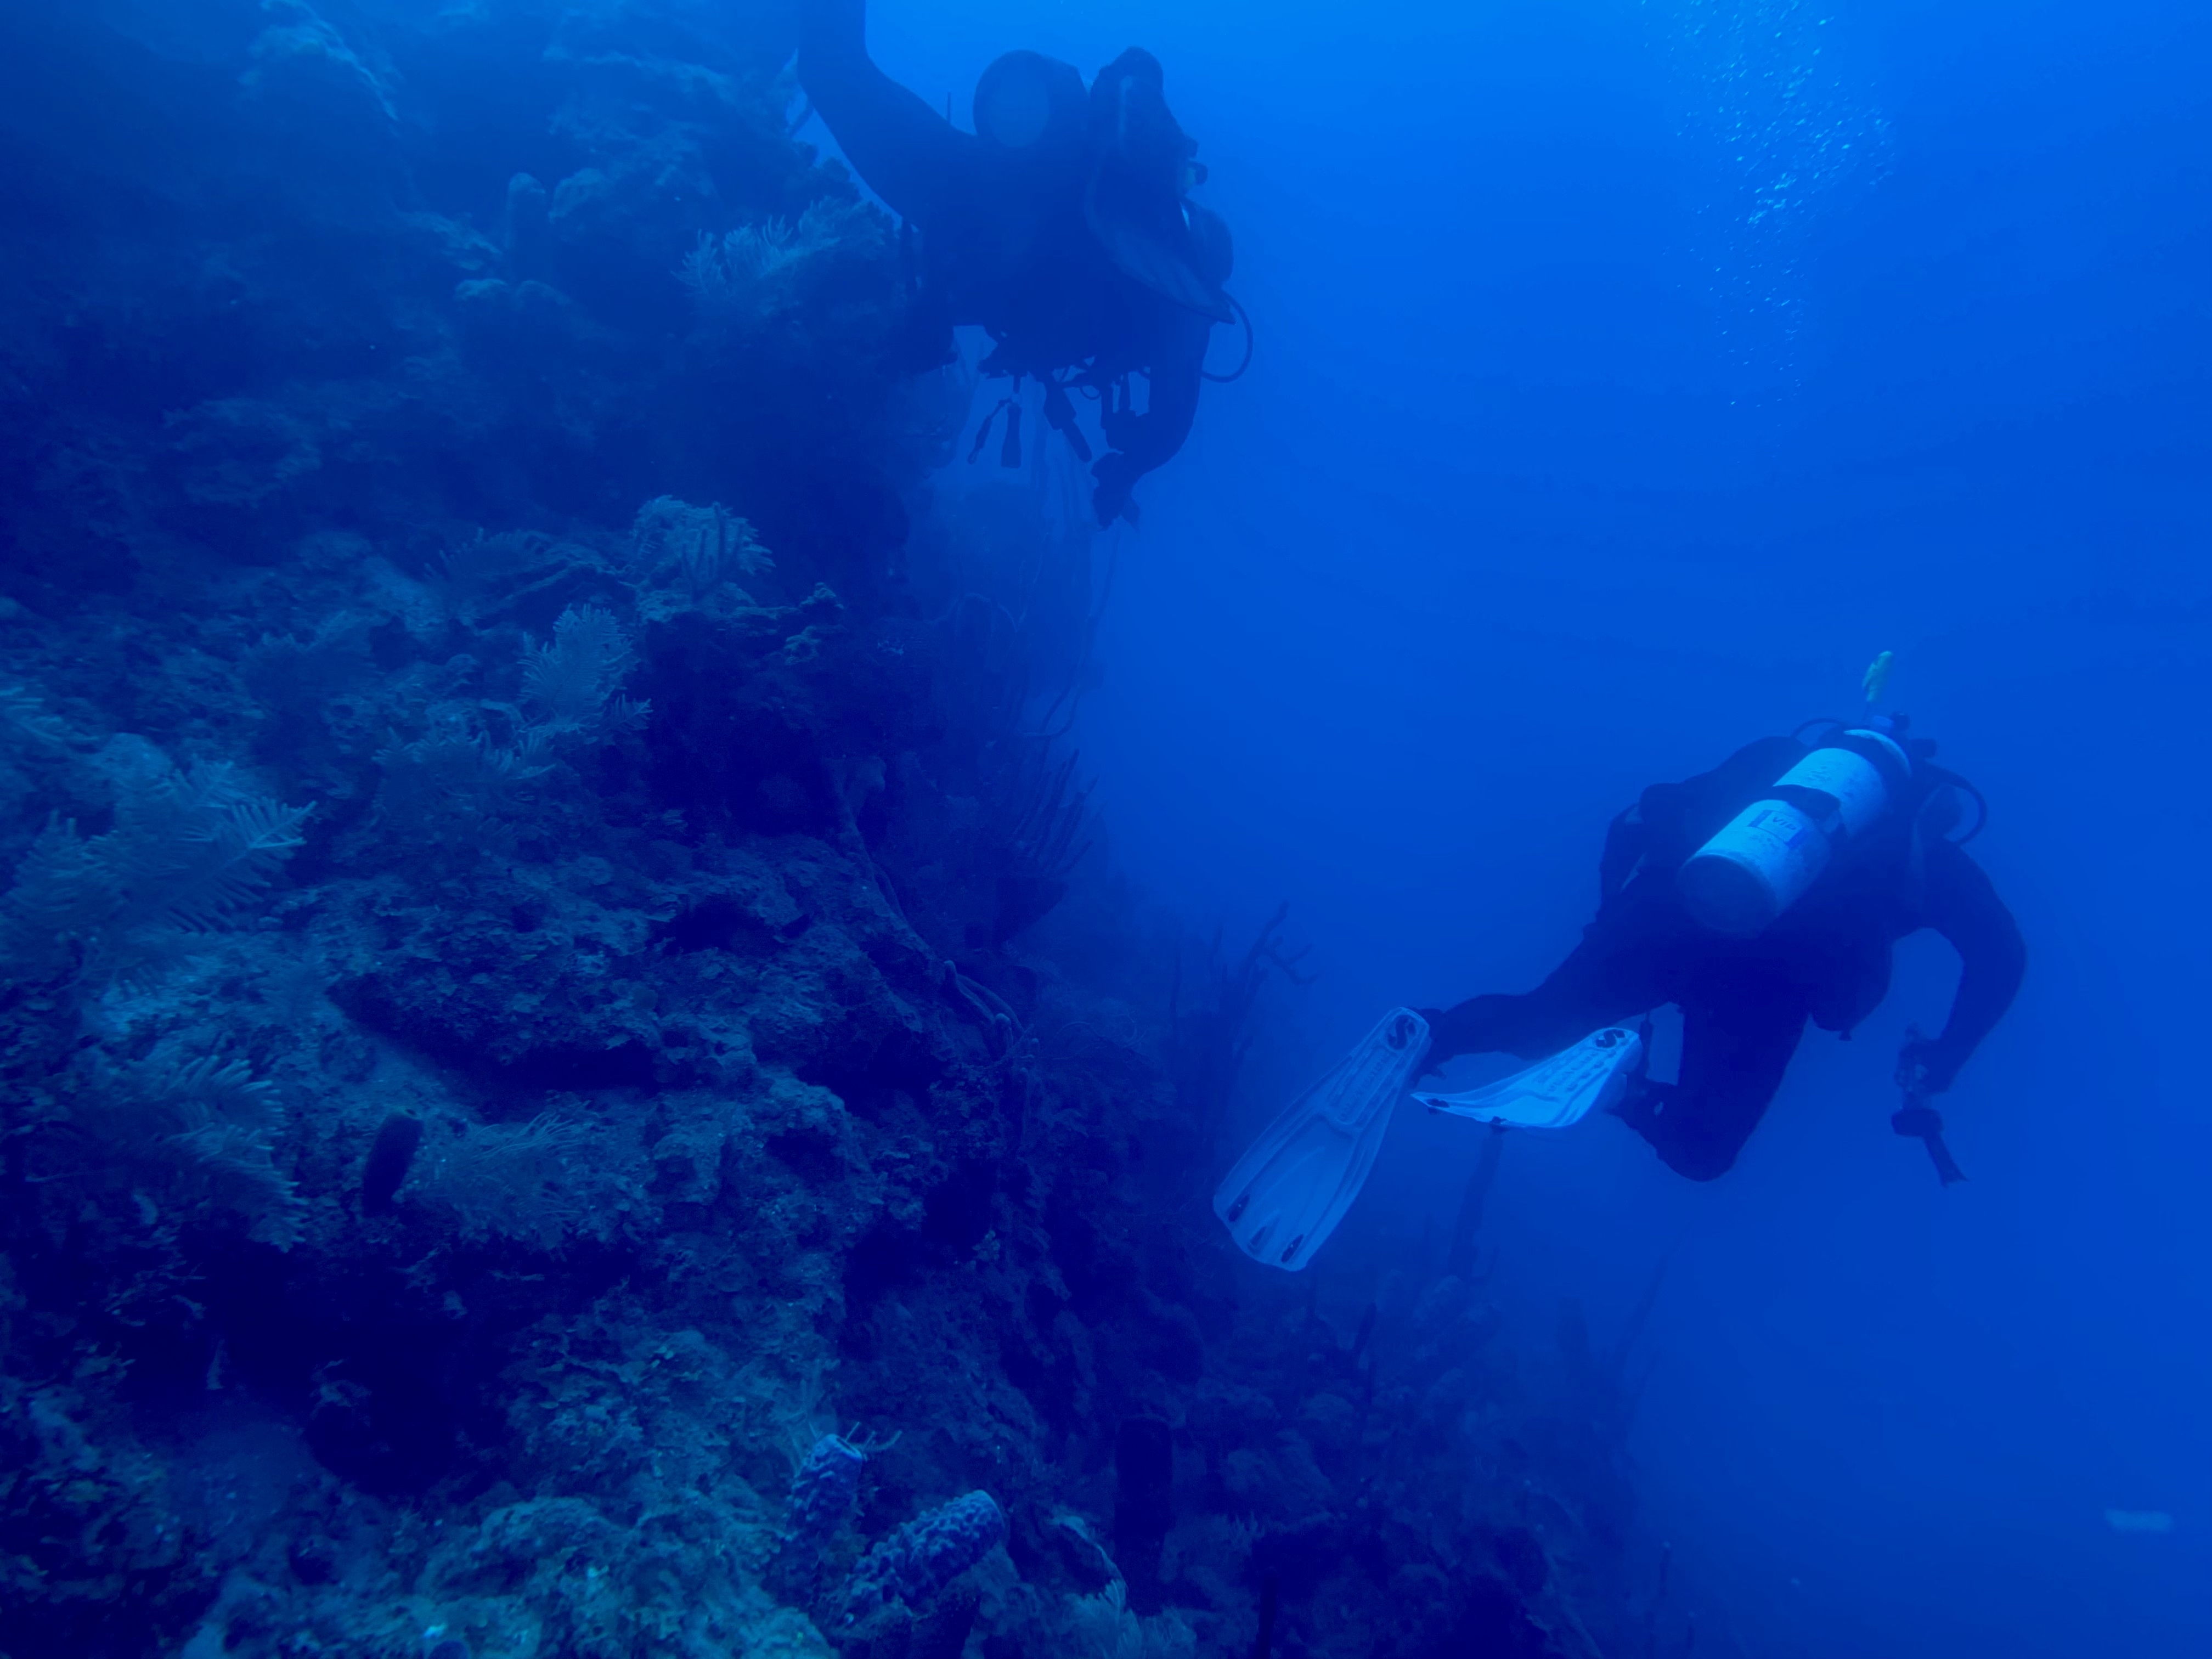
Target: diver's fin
(1553,1093)
(1286,1195)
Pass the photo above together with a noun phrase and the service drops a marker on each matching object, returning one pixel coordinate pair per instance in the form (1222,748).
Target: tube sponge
(925,1554)
(823,1489)
(389,1158)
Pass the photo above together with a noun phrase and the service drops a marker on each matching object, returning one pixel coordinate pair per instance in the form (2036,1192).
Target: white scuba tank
(1762,863)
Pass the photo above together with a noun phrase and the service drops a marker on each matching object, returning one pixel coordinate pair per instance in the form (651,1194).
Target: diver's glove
(1925,1066)
(1917,1120)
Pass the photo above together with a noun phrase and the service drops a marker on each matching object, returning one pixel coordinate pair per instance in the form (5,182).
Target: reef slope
(567,1087)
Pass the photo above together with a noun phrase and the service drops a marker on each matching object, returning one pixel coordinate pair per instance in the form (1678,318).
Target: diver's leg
(1605,981)
(921,165)
(1176,363)
(1740,1023)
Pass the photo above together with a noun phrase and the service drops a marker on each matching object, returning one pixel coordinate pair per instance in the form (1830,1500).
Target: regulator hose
(1237,372)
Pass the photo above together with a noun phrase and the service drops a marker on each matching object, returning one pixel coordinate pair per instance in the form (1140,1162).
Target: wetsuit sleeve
(923,167)
(1625,839)
(1962,904)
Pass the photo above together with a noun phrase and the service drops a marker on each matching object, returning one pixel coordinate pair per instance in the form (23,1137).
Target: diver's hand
(1925,1067)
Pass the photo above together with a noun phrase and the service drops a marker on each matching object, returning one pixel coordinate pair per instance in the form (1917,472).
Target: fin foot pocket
(1595,1075)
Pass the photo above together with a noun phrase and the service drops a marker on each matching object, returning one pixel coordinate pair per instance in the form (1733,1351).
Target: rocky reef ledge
(568,1086)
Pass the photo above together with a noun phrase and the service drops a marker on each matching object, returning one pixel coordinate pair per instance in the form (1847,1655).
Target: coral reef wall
(548,969)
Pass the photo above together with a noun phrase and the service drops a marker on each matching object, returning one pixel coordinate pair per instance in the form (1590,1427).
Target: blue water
(1627,377)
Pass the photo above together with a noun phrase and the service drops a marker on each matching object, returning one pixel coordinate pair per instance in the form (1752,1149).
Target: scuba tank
(1766,857)
(1026,102)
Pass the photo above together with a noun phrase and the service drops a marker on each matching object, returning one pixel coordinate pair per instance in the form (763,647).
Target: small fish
(1876,680)
(2138,1520)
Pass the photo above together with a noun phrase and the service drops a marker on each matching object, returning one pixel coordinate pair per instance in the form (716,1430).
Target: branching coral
(456,779)
(460,788)
(528,1181)
(734,269)
(707,546)
(573,679)
(723,267)
(1108,1630)
(190,852)
(747,276)
(22,710)
(473,575)
(214,1119)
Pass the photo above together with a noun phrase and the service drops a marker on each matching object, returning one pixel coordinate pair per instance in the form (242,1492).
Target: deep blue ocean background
(1626,375)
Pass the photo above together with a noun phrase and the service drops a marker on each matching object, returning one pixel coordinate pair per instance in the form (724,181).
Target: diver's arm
(1625,839)
(916,161)
(1962,905)
(1144,441)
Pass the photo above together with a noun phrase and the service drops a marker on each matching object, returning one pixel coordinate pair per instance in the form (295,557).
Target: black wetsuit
(1745,1002)
(1077,252)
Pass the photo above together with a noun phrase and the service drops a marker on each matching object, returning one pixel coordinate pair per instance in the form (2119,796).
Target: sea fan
(726,270)
(747,273)
(532,1181)
(21,708)
(214,1119)
(573,679)
(706,545)
(1109,1629)
(473,576)
(189,852)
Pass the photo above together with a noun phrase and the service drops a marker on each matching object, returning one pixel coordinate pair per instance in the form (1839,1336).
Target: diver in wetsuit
(1744,999)
(1062,225)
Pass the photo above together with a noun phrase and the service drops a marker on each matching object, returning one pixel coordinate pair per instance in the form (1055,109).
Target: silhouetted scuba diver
(1062,225)
(1755,896)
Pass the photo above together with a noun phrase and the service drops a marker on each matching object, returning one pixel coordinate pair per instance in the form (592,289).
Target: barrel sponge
(925,1554)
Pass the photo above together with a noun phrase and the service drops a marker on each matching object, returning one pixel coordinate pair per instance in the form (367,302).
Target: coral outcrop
(551,955)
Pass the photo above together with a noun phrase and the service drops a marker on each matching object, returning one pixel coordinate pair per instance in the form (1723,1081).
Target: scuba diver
(1755,896)
(1062,225)
(1706,902)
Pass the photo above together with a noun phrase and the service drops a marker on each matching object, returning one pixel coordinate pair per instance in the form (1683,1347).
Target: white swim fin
(1592,1075)
(1286,1195)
